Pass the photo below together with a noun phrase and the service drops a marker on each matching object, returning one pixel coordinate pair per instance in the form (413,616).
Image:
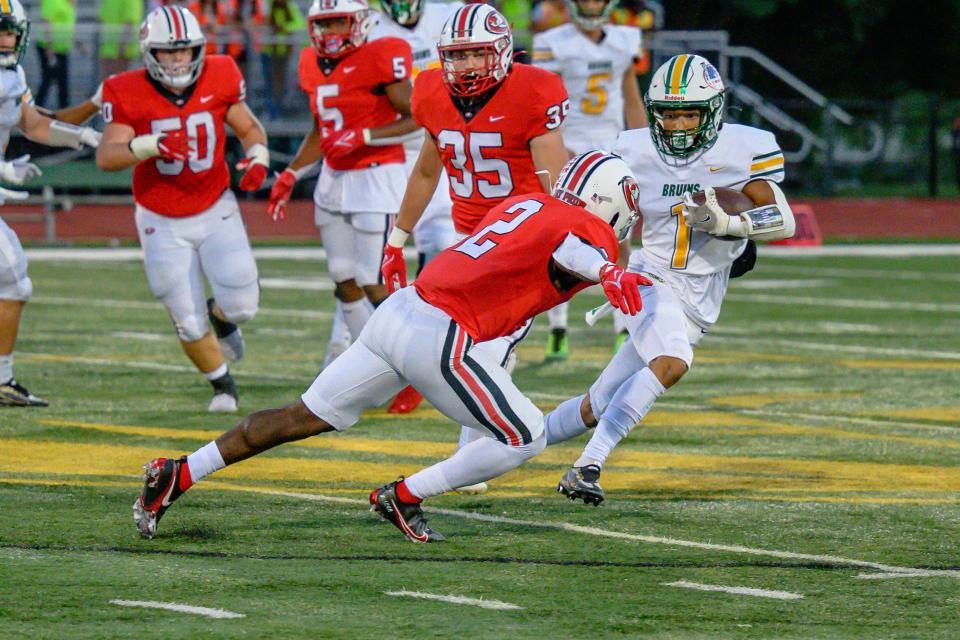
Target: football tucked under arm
(731,215)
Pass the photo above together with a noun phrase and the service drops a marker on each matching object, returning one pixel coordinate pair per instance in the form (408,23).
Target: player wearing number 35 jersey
(168,120)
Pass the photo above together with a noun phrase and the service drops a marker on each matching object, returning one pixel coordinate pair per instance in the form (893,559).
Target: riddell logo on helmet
(496,23)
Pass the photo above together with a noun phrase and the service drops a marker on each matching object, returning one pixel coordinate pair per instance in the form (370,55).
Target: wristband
(366,136)
(259,154)
(143,147)
(398,237)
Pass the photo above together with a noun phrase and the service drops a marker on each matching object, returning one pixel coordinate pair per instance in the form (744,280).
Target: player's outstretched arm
(633,112)
(253,137)
(79,113)
(549,155)
(45,130)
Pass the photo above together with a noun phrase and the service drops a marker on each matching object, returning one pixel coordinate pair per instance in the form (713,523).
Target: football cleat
(406,401)
(621,338)
(477,489)
(162,479)
(14,394)
(582,483)
(558,347)
(406,516)
(223,403)
(228,335)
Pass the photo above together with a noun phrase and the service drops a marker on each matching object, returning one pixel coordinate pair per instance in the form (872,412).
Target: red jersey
(488,156)
(497,279)
(352,96)
(174,188)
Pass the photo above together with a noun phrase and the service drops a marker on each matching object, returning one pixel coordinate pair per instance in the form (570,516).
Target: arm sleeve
(767,160)
(578,256)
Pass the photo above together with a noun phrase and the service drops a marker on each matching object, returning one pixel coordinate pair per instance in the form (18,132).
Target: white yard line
(740,591)
(180,608)
(844,348)
(778,284)
(920,573)
(862,250)
(632,537)
(140,304)
(97,254)
(845,303)
(884,274)
(473,602)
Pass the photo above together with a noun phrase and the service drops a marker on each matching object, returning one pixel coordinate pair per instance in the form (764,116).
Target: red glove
(280,194)
(176,145)
(394,268)
(341,143)
(622,288)
(255,174)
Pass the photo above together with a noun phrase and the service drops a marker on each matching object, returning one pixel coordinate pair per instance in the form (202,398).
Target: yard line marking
(778,284)
(298,284)
(920,573)
(848,303)
(140,335)
(873,251)
(741,591)
(102,254)
(474,602)
(891,274)
(595,531)
(139,304)
(179,608)
(850,348)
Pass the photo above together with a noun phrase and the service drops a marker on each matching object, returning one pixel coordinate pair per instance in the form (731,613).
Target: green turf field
(811,455)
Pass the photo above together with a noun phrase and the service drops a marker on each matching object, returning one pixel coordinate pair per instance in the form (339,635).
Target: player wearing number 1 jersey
(359,93)
(168,120)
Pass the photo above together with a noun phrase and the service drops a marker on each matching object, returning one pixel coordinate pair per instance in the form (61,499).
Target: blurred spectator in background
(634,13)
(119,35)
(244,28)
(283,19)
(955,149)
(548,14)
(211,15)
(58,19)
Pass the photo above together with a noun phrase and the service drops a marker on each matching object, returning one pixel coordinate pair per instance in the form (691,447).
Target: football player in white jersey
(688,250)
(596,61)
(17,111)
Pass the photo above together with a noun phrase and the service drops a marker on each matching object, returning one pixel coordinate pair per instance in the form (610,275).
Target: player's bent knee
(341,269)
(668,369)
(20,290)
(240,306)
(348,291)
(586,412)
(193,327)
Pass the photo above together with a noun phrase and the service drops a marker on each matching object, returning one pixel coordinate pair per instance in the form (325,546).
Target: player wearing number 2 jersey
(546,248)
(168,120)
(359,92)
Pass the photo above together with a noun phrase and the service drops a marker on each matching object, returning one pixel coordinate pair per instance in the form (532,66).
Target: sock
(558,316)
(219,372)
(356,314)
(619,321)
(478,461)
(224,384)
(6,368)
(205,461)
(468,435)
(565,422)
(404,494)
(628,406)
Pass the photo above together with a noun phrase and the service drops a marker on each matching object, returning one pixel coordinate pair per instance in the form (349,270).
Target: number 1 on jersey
(681,243)
(472,245)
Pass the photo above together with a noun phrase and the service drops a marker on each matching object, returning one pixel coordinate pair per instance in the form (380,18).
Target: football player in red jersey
(547,247)
(168,120)
(359,92)
(490,122)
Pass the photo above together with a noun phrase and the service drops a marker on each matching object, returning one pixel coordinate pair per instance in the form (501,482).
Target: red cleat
(406,401)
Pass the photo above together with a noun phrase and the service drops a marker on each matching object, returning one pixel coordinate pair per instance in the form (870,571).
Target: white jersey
(593,75)
(13,92)
(695,263)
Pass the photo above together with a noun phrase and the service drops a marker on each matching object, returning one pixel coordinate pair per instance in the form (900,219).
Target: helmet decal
(496,23)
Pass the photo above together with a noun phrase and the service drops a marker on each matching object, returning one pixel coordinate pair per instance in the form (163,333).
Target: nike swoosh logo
(226,217)
(495,118)
(715,169)
(205,99)
(348,69)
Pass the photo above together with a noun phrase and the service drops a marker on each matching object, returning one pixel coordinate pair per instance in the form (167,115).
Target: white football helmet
(403,12)
(339,44)
(172,27)
(590,22)
(603,184)
(685,81)
(475,27)
(14,18)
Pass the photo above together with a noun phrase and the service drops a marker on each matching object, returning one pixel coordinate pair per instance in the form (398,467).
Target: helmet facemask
(474,80)
(8,22)
(590,22)
(403,12)
(683,146)
(336,44)
(177,75)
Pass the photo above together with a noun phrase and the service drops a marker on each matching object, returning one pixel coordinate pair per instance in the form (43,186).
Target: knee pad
(341,268)
(239,305)
(191,327)
(16,288)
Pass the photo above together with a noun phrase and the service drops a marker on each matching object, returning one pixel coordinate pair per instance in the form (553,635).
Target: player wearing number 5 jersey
(168,120)
(545,249)
(359,92)
(688,249)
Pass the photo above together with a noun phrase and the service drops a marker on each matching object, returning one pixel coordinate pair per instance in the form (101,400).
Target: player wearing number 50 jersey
(168,120)
(688,249)
(359,92)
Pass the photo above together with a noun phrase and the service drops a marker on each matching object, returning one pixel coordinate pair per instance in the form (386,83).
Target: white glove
(90,137)
(10,194)
(18,170)
(708,217)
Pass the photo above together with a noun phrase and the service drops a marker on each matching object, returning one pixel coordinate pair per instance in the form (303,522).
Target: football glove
(255,165)
(394,268)
(280,194)
(343,142)
(18,170)
(622,288)
(175,145)
(90,137)
(708,217)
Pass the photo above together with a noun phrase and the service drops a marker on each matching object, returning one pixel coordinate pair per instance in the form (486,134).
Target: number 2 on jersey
(681,242)
(473,246)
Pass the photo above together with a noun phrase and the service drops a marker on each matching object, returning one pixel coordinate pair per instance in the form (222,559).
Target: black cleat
(161,486)
(406,516)
(14,394)
(582,483)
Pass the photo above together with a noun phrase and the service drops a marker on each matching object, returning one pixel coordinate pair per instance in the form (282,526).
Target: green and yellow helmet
(685,81)
(403,12)
(587,21)
(14,18)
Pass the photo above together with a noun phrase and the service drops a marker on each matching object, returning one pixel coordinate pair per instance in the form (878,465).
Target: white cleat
(473,489)
(223,403)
